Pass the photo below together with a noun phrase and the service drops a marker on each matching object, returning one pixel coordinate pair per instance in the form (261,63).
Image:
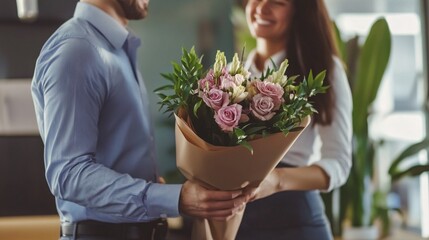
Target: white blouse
(329,146)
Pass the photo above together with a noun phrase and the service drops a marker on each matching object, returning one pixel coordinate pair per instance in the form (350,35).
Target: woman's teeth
(262,21)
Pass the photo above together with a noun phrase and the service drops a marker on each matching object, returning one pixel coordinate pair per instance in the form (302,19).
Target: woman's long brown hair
(311,46)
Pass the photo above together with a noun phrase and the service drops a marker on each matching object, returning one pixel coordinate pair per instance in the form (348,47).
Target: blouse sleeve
(336,149)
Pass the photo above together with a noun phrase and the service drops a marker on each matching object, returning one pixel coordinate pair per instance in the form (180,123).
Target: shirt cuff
(162,200)
(333,170)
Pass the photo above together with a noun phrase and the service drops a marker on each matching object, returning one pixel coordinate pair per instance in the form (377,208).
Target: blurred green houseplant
(365,66)
(356,193)
(396,172)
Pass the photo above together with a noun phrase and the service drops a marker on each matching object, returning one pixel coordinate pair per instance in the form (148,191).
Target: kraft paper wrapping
(227,168)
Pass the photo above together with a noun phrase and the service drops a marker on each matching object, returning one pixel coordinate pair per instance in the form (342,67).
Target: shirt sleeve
(336,138)
(69,90)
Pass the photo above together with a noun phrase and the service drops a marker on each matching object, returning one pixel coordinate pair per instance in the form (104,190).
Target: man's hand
(198,201)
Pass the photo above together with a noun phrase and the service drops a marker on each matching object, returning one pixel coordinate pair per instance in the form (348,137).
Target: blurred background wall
(22,184)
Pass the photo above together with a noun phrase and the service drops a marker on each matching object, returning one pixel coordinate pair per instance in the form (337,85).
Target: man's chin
(136,16)
(134,10)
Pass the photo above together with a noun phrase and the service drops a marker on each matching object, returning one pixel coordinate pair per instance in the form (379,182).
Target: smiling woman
(291,208)
(270,20)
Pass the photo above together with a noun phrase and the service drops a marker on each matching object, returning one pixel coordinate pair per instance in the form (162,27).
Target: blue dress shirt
(92,111)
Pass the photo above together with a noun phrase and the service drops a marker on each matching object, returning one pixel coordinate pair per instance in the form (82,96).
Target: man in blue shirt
(93,116)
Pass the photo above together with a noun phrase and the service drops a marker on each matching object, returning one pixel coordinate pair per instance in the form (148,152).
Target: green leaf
(163,88)
(353,50)
(168,76)
(293,78)
(162,96)
(371,65)
(408,152)
(196,107)
(285,132)
(340,43)
(412,171)
(239,134)
(310,79)
(177,68)
(320,78)
(254,130)
(247,146)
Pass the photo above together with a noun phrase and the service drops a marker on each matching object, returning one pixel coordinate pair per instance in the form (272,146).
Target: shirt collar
(277,58)
(111,29)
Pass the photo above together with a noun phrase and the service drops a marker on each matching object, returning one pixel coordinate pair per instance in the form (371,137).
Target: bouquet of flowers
(230,123)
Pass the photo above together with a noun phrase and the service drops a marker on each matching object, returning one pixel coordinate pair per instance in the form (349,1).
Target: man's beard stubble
(133,10)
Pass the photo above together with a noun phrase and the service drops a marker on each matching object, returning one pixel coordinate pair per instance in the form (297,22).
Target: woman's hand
(269,186)
(289,179)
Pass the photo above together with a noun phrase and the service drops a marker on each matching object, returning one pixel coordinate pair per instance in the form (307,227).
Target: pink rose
(228,117)
(263,107)
(208,82)
(269,89)
(216,98)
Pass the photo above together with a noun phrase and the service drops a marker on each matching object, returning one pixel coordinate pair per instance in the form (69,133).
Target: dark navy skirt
(294,215)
